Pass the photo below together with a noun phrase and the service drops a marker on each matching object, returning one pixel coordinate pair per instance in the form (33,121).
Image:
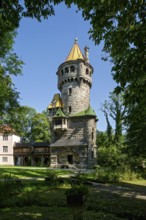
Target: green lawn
(26,172)
(40,200)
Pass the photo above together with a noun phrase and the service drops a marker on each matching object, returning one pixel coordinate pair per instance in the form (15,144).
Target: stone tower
(73,119)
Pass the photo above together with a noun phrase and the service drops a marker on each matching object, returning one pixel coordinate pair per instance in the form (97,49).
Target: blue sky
(44,46)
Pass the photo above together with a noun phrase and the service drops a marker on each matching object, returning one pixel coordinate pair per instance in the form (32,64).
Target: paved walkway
(138,192)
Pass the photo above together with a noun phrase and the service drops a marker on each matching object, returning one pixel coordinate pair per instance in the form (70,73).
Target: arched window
(62,72)
(66,70)
(87,71)
(72,69)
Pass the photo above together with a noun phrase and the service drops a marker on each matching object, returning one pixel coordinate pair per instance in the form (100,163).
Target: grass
(38,200)
(136,182)
(26,172)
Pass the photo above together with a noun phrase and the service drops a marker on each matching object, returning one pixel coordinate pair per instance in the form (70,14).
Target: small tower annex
(72,118)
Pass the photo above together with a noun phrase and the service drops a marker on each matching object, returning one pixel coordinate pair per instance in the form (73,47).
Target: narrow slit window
(87,71)
(70,91)
(69,109)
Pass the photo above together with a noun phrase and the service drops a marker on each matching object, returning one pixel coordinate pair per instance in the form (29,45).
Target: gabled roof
(56,102)
(75,53)
(59,114)
(87,112)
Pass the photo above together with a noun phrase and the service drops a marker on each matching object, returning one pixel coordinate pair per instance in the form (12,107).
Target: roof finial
(76,40)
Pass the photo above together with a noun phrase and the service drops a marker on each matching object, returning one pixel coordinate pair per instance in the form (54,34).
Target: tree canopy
(114,108)
(30,125)
(10,65)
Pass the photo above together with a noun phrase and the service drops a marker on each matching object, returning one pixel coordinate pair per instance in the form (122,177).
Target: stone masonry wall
(77,77)
(78,100)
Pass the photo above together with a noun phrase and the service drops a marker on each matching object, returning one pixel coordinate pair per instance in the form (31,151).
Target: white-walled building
(8,138)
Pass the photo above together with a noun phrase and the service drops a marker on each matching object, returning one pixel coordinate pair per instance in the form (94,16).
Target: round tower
(75,81)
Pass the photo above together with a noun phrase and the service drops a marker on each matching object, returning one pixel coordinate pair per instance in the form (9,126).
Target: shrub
(107,175)
(51,177)
(129,175)
(77,190)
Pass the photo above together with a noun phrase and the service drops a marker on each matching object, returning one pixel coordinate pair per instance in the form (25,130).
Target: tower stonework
(73,119)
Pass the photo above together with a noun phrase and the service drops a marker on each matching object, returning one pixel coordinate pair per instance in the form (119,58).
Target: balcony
(62,127)
(60,124)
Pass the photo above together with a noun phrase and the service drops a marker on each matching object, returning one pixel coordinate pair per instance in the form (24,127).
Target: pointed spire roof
(56,102)
(75,53)
(59,114)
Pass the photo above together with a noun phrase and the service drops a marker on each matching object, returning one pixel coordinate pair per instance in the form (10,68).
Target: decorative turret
(55,105)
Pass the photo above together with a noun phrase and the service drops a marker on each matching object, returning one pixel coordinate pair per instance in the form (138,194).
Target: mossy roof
(87,112)
(59,114)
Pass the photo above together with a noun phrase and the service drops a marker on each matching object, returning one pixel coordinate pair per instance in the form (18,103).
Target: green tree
(115,109)
(40,128)
(10,65)
(102,139)
(29,124)
(121,25)
(21,120)
(109,130)
(11,12)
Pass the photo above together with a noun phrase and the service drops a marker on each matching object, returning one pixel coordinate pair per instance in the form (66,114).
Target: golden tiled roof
(75,53)
(56,102)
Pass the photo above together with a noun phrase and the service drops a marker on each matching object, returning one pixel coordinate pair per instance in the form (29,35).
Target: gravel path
(138,192)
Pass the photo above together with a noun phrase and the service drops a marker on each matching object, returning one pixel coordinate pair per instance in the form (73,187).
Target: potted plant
(76,196)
